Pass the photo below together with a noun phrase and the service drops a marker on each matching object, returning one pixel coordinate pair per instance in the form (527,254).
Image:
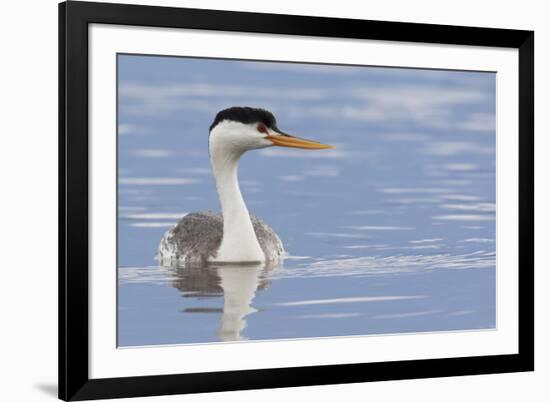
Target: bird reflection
(236,283)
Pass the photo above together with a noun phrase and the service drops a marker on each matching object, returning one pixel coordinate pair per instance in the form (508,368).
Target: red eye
(262,128)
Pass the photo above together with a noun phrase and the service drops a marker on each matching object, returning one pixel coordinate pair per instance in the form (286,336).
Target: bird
(235,235)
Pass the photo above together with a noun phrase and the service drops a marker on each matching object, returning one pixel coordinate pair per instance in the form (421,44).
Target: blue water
(392,231)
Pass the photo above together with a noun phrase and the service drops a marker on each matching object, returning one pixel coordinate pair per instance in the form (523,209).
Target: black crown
(245,115)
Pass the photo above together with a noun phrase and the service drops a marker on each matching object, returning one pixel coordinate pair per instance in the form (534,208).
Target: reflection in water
(236,283)
(367,295)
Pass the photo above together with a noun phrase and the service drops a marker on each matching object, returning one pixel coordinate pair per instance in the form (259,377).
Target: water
(393,231)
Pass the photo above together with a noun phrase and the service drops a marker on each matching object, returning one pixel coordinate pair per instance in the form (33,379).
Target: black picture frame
(74,18)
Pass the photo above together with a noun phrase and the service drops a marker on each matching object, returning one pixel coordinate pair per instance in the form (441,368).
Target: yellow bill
(286,140)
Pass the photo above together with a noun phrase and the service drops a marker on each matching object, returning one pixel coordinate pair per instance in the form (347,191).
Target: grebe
(235,235)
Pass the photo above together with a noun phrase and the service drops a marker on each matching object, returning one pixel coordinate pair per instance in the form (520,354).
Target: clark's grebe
(235,235)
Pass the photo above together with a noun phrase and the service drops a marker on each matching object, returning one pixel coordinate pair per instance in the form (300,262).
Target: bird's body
(196,239)
(235,235)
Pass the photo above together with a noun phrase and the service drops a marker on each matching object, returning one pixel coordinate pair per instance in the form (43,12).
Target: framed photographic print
(256,200)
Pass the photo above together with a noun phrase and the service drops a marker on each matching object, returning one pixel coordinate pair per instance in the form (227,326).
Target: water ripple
(395,264)
(349,266)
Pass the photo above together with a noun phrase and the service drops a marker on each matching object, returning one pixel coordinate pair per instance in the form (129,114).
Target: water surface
(391,232)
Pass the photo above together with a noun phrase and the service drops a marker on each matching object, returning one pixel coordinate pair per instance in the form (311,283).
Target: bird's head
(240,129)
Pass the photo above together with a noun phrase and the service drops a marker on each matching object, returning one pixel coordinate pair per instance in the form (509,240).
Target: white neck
(239,242)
